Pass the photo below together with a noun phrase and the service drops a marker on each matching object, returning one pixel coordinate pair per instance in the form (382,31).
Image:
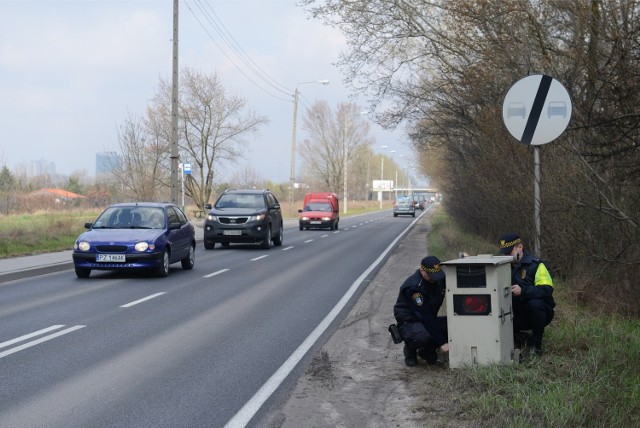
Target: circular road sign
(537,109)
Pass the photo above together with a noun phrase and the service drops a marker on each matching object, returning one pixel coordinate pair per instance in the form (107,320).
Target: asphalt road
(193,349)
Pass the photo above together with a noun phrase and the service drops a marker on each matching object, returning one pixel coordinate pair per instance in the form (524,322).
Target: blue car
(138,235)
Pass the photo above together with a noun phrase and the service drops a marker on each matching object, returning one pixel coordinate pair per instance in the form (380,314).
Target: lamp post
(292,175)
(381,175)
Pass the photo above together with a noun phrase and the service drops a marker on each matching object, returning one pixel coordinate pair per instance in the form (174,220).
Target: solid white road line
(41,340)
(30,335)
(144,299)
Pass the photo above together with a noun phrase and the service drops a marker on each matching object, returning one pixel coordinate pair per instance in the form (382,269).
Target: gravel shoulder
(358,378)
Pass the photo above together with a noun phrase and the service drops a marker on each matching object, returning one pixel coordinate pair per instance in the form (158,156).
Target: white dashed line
(144,299)
(258,258)
(215,273)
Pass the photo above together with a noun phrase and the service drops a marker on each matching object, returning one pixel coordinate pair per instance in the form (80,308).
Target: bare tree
(333,140)
(247,178)
(141,168)
(213,127)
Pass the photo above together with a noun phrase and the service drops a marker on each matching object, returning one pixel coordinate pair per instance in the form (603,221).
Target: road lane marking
(308,240)
(288,248)
(216,273)
(30,335)
(258,258)
(324,236)
(144,299)
(41,340)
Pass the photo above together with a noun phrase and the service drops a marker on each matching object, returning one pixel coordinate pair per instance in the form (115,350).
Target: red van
(321,210)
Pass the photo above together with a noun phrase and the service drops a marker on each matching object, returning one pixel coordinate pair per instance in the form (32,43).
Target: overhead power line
(230,42)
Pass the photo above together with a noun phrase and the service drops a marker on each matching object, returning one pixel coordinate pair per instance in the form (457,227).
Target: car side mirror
(207,206)
(88,225)
(174,226)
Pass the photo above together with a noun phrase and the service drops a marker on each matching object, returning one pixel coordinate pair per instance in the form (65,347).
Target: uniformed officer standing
(416,311)
(531,291)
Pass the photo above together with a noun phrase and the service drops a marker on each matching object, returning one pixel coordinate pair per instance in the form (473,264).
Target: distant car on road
(404,205)
(321,210)
(244,216)
(137,235)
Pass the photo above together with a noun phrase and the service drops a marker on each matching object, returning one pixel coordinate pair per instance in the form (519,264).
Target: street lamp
(345,153)
(292,176)
(381,175)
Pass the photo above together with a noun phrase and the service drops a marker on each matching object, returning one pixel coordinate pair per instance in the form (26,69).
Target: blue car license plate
(110,258)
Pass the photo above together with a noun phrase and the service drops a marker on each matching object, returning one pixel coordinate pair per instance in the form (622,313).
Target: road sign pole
(536,192)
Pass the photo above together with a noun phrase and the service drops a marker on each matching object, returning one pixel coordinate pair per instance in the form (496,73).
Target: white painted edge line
(261,257)
(248,411)
(41,340)
(144,299)
(30,335)
(215,273)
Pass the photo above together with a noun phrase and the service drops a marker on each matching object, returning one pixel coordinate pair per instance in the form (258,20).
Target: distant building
(41,167)
(107,162)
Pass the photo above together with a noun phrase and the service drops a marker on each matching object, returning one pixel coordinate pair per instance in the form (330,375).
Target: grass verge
(41,232)
(589,375)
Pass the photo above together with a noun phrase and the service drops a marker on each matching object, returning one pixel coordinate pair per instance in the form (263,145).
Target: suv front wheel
(277,241)
(266,244)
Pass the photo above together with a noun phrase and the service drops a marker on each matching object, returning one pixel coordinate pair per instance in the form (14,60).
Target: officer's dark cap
(507,242)
(431,265)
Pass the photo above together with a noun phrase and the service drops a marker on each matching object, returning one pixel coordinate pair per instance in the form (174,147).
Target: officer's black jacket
(420,301)
(524,274)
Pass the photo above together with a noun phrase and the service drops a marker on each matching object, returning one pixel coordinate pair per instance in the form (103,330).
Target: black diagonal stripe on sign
(536,109)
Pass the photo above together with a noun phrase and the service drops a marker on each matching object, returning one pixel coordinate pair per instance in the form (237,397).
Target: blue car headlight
(142,246)
(82,246)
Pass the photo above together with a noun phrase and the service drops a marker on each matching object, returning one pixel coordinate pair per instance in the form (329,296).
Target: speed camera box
(479,316)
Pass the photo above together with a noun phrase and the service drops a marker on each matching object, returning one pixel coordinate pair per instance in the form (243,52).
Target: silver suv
(244,216)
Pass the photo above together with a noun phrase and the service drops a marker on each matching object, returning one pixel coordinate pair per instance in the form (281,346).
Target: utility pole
(174,109)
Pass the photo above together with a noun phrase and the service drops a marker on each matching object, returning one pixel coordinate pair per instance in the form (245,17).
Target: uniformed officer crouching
(531,291)
(416,312)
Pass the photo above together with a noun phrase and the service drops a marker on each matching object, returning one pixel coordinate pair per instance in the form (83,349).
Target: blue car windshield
(131,217)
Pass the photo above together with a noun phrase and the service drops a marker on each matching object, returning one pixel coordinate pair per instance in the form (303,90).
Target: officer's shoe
(429,354)
(536,347)
(410,359)
(535,352)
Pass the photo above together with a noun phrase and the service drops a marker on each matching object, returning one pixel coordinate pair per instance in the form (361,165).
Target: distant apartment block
(107,162)
(41,167)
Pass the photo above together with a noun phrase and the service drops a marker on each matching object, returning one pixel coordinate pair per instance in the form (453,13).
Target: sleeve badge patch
(417,299)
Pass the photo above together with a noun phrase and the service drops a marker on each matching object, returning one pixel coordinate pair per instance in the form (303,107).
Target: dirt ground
(359,379)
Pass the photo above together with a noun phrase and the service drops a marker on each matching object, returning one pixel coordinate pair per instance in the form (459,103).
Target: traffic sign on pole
(537,109)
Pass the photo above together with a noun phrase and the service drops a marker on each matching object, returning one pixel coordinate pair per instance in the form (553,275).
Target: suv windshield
(241,200)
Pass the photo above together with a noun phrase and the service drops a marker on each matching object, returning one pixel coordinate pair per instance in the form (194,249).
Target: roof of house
(60,193)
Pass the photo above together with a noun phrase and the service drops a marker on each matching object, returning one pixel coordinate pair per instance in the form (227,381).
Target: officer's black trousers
(416,336)
(534,315)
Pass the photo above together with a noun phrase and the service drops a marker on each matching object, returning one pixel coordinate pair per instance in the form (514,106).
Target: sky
(72,71)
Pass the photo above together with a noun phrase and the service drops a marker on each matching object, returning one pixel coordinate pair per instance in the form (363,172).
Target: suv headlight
(212,217)
(258,217)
